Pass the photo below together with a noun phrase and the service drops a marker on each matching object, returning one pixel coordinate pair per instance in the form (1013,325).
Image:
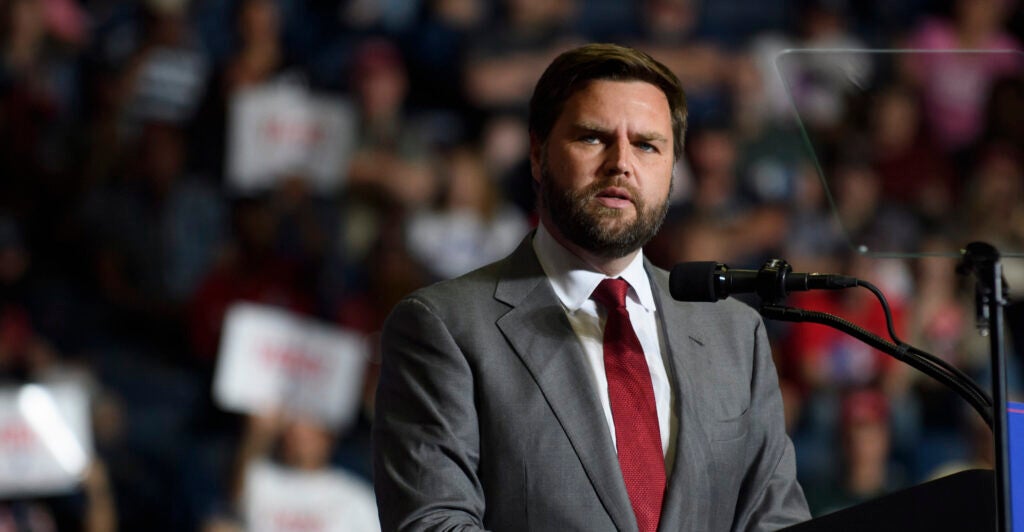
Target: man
(562,388)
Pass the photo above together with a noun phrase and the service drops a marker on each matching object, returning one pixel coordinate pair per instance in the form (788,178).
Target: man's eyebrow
(596,128)
(591,127)
(651,135)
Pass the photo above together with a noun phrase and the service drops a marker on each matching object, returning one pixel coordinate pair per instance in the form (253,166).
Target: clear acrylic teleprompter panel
(919,151)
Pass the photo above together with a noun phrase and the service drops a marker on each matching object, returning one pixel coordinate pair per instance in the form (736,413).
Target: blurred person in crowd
(741,231)
(953,86)
(145,64)
(391,153)
(939,320)
(472,226)
(26,353)
(1004,130)
(821,363)
(868,217)
(26,356)
(732,23)
(155,232)
(815,241)
(912,170)
(39,102)
(995,206)
(15,261)
(505,150)
(89,509)
(669,22)
(42,106)
(134,469)
(994,196)
(259,56)
(381,84)
(284,480)
(771,153)
(436,48)
(830,360)
(941,324)
(1002,111)
(686,238)
(250,267)
(503,144)
(503,64)
(711,152)
(376,16)
(865,441)
(165,76)
(38,46)
(980,452)
(816,84)
(669,32)
(489,412)
(390,272)
(304,220)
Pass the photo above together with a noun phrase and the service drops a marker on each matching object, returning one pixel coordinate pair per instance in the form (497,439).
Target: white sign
(45,438)
(279,499)
(281,129)
(271,359)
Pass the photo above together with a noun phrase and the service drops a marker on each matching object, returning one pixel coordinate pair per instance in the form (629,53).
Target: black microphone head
(693,281)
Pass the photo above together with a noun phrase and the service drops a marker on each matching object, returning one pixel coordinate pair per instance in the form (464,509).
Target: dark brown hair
(573,70)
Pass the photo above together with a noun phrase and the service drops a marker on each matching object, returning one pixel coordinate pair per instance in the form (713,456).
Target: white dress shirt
(574,281)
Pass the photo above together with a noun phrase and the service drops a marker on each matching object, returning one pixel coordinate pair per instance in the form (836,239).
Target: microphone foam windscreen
(693,281)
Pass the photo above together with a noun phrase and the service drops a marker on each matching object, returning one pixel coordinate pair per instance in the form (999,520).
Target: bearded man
(562,388)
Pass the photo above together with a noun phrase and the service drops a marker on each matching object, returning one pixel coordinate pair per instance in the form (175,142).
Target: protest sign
(271,359)
(279,130)
(45,438)
(279,499)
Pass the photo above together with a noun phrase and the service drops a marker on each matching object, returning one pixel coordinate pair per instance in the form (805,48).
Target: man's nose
(619,159)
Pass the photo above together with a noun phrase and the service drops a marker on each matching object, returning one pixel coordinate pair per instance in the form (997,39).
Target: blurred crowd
(123,239)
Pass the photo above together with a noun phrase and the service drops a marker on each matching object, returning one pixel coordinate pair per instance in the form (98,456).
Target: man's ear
(536,155)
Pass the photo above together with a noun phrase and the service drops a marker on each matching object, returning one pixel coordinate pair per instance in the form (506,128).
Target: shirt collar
(574,280)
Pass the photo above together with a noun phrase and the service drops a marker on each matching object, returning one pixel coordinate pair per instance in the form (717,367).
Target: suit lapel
(683,508)
(539,332)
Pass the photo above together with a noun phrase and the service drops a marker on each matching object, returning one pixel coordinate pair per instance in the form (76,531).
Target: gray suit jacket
(486,417)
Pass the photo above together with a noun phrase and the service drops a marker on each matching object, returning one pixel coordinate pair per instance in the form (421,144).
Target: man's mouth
(614,197)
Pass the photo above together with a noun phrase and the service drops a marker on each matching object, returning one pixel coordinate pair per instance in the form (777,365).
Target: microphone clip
(771,281)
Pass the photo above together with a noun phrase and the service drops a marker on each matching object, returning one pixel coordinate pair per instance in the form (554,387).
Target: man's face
(606,168)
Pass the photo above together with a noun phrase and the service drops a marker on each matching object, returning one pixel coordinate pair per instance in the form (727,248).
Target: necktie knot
(611,293)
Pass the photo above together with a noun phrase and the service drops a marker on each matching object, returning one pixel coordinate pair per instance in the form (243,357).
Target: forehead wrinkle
(640,106)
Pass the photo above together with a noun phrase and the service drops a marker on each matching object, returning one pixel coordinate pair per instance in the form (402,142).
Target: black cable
(885,307)
(966,388)
(907,348)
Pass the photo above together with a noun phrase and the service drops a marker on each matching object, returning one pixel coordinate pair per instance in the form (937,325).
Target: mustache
(595,188)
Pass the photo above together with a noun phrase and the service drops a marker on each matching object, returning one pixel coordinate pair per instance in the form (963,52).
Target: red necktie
(633,409)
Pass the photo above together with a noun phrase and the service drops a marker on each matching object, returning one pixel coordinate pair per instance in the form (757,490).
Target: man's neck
(611,267)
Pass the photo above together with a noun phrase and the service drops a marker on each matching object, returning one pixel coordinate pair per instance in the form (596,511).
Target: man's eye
(590,139)
(647,147)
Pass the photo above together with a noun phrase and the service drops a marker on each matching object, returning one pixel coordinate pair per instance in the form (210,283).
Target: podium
(963,501)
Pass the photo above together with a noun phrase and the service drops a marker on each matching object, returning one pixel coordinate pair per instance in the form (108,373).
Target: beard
(603,231)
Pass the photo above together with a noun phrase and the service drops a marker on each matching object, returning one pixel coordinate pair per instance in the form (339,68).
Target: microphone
(711,281)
